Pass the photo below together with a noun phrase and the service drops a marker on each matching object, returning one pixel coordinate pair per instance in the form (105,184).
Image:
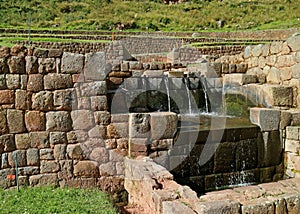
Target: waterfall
(186,83)
(205,93)
(166,80)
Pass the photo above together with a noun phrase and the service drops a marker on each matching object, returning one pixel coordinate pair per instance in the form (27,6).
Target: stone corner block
(163,125)
(267,119)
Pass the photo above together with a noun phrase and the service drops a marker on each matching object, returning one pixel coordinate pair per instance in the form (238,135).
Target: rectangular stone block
(82,119)
(57,138)
(42,101)
(35,121)
(239,79)
(43,179)
(95,66)
(23,100)
(95,88)
(64,100)
(99,103)
(16,65)
(35,83)
(267,119)
(39,140)
(139,125)
(163,125)
(46,154)
(46,65)
(58,121)
(15,121)
(57,81)
(33,157)
(22,141)
(293,132)
(13,81)
(59,151)
(7,97)
(7,143)
(72,63)
(276,95)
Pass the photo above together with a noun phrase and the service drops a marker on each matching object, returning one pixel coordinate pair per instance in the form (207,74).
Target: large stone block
(17,156)
(7,97)
(278,95)
(163,125)
(267,119)
(99,103)
(47,65)
(86,169)
(7,143)
(102,117)
(39,140)
(59,151)
(16,65)
(82,119)
(239,79)
(294,42)
(35,121)
(31,64)
(95,88)
(75,152)
(15,121)
(43,180)
(42,101)
(296,71)
(72,63)
(33,157)
(58,138)
(13,81)
(139,125)
(274,76)
(35,83)
(58,81)
(64,99)
(49,166)
(58,121)
(94,68)
(100,155)
(23,100)
(46,154)
(22,141)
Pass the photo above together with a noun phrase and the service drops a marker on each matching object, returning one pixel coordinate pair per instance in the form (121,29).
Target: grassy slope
(54,200)
(153,15)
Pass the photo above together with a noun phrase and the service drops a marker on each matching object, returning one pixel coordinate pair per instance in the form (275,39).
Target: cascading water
(166,81)
(204,85)
(186,83)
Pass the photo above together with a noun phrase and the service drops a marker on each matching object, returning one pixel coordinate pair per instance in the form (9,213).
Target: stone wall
(55,121)
(152,188)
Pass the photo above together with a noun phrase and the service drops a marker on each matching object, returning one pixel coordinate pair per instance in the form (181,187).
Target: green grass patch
(55,200)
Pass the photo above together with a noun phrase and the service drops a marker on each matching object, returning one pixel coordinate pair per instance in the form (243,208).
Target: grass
(54,200)
(150,15)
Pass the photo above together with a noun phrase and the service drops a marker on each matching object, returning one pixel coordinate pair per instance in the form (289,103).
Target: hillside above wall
(150,15)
